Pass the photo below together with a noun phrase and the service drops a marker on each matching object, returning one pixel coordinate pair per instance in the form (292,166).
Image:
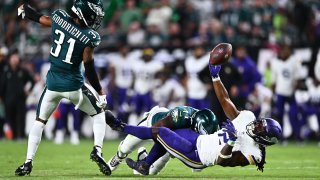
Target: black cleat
(24,169)
(115,123)
(140,166)
(103,166)
(142,156)
(118,125)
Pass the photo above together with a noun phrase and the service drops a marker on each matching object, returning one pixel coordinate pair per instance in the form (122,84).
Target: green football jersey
(68,43)
(180,115)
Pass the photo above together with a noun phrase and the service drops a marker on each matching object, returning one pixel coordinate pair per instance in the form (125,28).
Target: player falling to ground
(74,38)
(241,142)
(201,121)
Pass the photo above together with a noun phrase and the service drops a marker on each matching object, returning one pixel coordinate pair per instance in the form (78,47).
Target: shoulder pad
(94,38)
(60,12)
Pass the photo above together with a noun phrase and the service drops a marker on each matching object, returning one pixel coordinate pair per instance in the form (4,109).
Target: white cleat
(115,161)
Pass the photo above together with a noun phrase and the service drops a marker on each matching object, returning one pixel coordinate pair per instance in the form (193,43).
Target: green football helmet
(204,122)
(90,12)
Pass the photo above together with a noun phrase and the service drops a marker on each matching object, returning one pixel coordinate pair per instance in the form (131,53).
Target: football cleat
(24,169)
(114,123)
(117,125)
(140,166)
(142,155)
(97,157)
(115,161)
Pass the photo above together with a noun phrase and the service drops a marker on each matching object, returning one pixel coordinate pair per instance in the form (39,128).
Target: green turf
(72,162)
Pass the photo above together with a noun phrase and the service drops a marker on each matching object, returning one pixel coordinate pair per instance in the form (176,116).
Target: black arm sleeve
(31,13)
(92,76)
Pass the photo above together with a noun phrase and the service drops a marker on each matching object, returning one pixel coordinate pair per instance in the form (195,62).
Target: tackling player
(241,142)
(74,38)
(201,121)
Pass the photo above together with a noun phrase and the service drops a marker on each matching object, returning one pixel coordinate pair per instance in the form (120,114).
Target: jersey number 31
(59,42)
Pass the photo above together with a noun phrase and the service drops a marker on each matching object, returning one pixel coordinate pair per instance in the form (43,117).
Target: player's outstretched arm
(222,94)
(25,10)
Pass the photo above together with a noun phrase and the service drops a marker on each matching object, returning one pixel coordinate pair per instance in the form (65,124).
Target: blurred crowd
(156,53)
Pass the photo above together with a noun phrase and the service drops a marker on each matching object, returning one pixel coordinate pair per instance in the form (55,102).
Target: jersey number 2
(59,42)
(224,137)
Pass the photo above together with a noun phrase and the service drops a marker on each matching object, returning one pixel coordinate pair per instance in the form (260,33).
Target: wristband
(225,156)
(231,143)
(214,79)
(31,13)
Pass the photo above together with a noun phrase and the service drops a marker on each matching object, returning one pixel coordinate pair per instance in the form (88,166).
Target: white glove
(21,12)
(102,101)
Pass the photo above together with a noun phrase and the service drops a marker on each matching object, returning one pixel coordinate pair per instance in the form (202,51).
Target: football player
(121,80)
(196,89)
(74,38)
(241,142)
(201,121)
(144,70)
(286,72)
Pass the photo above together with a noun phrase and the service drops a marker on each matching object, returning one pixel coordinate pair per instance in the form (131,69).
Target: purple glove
(214,70)
(230,129)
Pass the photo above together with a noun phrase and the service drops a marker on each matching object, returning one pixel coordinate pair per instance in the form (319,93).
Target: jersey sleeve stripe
(251,160)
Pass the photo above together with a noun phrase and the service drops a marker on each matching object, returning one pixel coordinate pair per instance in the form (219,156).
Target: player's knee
(124,148)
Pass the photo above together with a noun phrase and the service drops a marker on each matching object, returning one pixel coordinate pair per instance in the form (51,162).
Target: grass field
(72,162)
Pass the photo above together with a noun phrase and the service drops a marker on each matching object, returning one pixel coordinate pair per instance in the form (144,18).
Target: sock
(155,153)
(99,129)
(159,164)
(34,139)
(98,148)
(139,131)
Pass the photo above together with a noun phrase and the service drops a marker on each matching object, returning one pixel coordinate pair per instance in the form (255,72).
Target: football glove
(21,11)
(214,70)
(102,101)
(228,127)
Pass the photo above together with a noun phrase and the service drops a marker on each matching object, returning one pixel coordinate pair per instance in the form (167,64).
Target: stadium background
(176,30)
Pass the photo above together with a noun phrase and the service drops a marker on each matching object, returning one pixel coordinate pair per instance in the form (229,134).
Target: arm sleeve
(31,13)
(92,76)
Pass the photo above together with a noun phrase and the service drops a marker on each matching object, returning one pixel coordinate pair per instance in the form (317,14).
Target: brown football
(220,54)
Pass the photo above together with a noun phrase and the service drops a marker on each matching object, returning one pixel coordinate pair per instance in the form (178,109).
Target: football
(220,54)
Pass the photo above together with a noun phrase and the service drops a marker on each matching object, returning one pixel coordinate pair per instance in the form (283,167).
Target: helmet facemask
(95,22)
(91,19)
(258,131)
